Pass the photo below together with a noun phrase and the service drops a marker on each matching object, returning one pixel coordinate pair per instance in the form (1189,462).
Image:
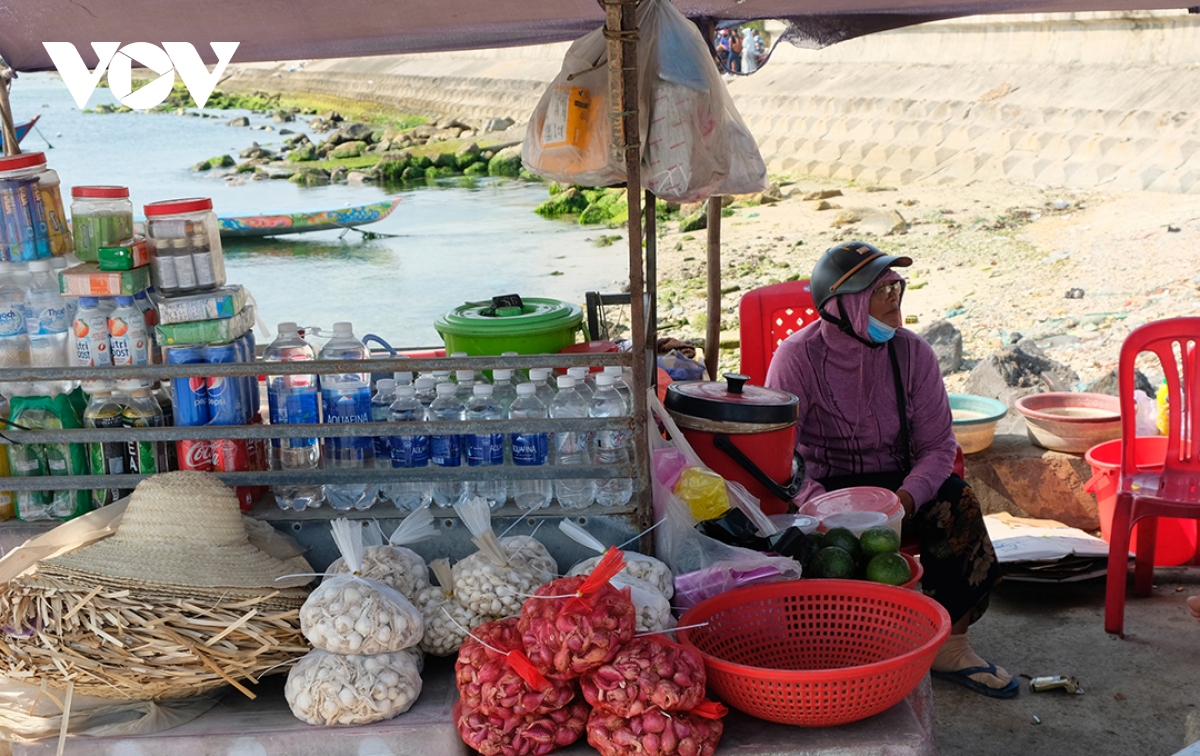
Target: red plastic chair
(767,316)
(1147,495)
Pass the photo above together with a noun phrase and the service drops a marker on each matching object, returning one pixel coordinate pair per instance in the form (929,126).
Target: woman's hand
(910,506)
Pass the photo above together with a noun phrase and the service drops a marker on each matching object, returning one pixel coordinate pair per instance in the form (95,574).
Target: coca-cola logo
(198,456)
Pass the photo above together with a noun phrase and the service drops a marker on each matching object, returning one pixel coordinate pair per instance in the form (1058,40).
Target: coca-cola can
(233,455)
(194,455)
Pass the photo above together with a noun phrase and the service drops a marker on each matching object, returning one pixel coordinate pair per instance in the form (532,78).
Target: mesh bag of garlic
(349,614)
(393,563)
(640,566)
(335,689)
(653,611)
(447,621)
(497,579)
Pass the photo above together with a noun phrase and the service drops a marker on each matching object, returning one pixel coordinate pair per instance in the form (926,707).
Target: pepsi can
(227,400)
(190,400)
(246,341)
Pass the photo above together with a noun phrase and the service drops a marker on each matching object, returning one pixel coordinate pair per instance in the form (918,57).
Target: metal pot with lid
(744,432)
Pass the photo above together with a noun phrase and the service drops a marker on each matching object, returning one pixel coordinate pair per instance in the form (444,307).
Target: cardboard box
(87,280)
(206,331)
(221,303)
(134,253)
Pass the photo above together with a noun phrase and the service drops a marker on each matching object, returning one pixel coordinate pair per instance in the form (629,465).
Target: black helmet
(847,269)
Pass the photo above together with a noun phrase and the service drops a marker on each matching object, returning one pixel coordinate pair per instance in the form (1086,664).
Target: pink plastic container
(1175,543)
(843,504)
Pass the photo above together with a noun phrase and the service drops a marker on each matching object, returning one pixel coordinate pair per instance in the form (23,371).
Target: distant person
(724,49)
(874,412)
(735,52)
(750,51)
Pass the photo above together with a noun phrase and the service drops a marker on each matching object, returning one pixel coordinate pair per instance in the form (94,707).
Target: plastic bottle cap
(123,301)
(482,389)
(37,266)
(58,263)
(424,382)
(178,206)
(604,379)
(446,389)
(502,374)
(613,369)
(342,328)
(526,389)
(458,354)
(89,302)
(566,382)
(405,390)
(464,375)
(385,385)
(402,378)
(577,372)
(288,328)
(539,374)
(132,384)
(100,192)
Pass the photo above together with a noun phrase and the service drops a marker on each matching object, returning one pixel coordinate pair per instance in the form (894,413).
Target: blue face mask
(878,331)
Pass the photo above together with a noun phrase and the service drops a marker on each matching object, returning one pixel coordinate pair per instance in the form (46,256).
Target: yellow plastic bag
(704,493)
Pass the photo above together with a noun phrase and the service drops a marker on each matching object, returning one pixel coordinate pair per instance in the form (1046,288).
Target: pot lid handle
(735,382)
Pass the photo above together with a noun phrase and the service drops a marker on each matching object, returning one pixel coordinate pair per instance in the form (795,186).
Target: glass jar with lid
(187,246)
(33,224)
(101,216)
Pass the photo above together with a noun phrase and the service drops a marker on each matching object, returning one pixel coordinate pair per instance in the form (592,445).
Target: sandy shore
(996,258)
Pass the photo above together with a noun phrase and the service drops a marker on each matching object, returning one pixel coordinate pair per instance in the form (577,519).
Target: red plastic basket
(816,653)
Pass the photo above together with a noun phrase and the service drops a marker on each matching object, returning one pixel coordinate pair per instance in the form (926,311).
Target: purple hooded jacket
(849,422)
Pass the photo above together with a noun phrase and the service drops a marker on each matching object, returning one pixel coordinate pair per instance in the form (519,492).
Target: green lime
(817,538)
(831,562)
(844,539)
(879,540)
(891,569)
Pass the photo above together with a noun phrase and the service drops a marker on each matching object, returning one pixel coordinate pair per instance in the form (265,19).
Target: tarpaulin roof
(291,29)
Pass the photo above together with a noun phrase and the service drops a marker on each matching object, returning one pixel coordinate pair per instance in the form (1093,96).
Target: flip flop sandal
(963,677)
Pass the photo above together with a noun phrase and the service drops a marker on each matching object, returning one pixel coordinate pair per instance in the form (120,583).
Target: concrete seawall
(1078,100)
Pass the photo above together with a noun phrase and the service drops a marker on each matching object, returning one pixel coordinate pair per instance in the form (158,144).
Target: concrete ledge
(240,727)
(1012,475)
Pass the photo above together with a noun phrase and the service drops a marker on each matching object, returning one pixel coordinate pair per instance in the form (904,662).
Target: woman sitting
(874,412)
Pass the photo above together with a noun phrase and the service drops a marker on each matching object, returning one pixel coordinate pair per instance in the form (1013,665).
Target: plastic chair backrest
(1174,342)
(767,316)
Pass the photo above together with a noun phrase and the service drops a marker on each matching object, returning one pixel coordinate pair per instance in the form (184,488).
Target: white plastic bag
(497,579)
(447,621)
(394,564)
(329,689)
(644,568)
(348,614)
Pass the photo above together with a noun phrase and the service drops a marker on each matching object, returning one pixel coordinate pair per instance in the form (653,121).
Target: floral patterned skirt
(957,555)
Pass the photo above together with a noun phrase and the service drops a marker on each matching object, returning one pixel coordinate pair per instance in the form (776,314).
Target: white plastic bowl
(975,419)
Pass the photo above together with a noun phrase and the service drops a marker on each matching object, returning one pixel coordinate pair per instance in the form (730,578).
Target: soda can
(194,455)
(233,455)
(190,400)
(246,346)
(259,456)
(227,402)
(107,457)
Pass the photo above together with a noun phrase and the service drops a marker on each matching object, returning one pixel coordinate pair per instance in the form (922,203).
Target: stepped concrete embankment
(1085,101)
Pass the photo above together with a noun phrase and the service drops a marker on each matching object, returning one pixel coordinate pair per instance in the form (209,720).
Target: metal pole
(621,31)
(712,338)
(651,236)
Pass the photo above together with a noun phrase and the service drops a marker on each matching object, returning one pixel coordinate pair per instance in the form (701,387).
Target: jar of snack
(187,246)
(33,224)
(101,216)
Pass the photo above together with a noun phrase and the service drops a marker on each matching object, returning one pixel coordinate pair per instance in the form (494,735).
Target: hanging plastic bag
(644,568)
(696,142)
(495,580)
(349,614)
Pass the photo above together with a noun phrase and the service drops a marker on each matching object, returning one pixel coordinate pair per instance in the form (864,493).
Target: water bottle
(90,332)
(150,315)
(14,340)
(445,450)
(620,384)
(381,404)
(486,449)
(582,382)
(610,445)
(105,457)
(465,379)
(346,398)
(569,447)
(529,449)
(425,390)
(127,334)
(58,265)
(293,400)
(409,452)
(503,389)
(540,378)
(141,410)
(47,324)
(402,378)
(518,376)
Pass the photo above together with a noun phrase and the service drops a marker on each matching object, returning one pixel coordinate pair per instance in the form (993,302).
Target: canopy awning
(296,29)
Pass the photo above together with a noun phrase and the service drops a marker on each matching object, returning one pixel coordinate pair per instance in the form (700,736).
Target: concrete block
(1012,475)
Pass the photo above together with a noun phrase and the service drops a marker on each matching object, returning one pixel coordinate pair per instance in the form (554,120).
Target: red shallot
(530,736)
(650,672)
(490,684)
(658,733)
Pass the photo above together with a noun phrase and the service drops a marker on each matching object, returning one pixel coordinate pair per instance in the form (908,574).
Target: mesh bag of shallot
(393,563)
(572,625)
(649,672)
(534,735)
(658,733)
(329,689)
(495,679)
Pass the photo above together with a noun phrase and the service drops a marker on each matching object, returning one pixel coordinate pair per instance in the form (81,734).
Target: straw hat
(181,530)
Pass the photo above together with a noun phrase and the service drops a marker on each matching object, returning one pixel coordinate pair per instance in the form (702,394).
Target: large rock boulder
(1017,371)
(1110,384)
(348,150)
(947,343)
(506,162)
(1012,475)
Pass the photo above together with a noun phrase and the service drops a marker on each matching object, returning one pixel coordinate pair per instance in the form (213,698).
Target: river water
(452,243)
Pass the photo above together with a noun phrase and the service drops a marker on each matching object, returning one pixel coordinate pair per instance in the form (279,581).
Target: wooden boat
(252,226)
(22,130)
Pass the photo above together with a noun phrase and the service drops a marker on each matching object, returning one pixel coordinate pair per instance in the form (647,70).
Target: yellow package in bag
(704,493)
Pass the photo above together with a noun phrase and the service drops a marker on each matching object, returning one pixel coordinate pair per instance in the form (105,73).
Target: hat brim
(862,278)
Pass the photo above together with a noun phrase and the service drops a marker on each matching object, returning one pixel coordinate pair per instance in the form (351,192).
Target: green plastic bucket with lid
(536,326)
